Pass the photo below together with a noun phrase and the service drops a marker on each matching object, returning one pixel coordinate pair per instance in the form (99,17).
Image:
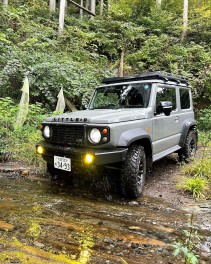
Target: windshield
(133,95)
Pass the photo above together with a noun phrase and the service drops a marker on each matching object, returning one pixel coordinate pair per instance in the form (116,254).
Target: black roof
(165,76)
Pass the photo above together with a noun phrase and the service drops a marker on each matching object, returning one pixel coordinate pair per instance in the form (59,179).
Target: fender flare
(187,124)
(132,135)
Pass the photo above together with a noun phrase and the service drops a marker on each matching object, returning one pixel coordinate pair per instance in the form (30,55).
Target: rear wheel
(134,172)
(188,152)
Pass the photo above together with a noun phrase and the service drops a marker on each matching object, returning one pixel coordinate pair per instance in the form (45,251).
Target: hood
(100,116)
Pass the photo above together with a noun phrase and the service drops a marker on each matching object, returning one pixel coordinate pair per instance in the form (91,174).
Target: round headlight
(46,132)
(95,135)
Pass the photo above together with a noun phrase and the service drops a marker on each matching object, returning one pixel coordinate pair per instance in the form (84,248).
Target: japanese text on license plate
(62,163)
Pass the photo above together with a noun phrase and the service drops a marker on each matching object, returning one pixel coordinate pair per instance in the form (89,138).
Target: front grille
(71,135)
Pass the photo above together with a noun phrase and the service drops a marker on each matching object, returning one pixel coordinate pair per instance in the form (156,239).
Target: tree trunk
(109,4)
(52,5)
(87,4)
(93,6)
(81,10)
(185,21)
(121,65)
(5,2)
(74,3)
(101,7)
(61,15)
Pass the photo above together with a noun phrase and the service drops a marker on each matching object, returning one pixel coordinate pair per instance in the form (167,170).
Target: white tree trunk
(93,6)
(52,5)
(121,64)
(87,4)
(109,4)
(101,7)
(81,10)
(61,15)
(185,20)
(5,2)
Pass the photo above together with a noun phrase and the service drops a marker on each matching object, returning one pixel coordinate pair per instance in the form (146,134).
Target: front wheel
(188,152)
(134,172)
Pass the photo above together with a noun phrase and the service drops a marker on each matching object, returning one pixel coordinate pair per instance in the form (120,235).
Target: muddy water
(44,222)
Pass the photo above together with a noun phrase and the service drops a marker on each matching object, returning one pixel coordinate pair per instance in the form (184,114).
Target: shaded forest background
(90,48)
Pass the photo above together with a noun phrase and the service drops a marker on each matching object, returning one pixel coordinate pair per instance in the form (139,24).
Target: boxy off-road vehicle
(130,121)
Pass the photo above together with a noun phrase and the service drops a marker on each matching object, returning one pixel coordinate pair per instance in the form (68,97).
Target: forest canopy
(138,35)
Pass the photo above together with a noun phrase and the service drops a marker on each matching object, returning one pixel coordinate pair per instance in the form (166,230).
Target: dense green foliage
(20,143)
(197,179)
(89,49)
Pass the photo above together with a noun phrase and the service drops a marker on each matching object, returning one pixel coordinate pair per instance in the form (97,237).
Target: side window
(166,94)
(184,98)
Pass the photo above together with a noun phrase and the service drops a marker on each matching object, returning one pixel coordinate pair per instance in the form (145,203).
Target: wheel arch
(186,127)
(138,136)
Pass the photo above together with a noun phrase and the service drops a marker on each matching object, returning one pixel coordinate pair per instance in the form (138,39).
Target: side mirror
(164,107)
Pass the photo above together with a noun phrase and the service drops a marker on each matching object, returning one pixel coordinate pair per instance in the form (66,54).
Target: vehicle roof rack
(165,76)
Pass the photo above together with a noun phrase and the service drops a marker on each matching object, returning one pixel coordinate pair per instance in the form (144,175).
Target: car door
(166,129)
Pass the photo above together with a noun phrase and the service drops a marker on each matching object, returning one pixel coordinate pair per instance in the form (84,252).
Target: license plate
(62,163)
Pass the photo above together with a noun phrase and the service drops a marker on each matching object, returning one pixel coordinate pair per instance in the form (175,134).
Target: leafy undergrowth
(197,174)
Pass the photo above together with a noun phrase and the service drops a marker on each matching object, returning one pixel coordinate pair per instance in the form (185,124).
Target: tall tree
(101,7)
(81,10)
(185,20)
(52,5)
(87,4)
(5,2)
(121,64)
(61,15)
(93,6)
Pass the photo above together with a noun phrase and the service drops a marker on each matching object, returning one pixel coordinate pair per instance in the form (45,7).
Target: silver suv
(130,122)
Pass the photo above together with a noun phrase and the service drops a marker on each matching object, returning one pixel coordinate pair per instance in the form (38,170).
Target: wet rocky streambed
(49,222)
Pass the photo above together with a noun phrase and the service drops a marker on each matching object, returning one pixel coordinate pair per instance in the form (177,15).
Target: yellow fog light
(89,158)
(40,150)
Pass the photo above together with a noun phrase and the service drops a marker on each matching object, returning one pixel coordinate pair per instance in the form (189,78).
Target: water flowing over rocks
(50,222)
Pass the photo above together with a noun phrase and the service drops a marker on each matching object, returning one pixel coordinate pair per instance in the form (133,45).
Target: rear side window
(184,98)
(166,94)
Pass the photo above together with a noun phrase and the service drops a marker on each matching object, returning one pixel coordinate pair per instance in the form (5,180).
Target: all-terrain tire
(188,152)
(134,172)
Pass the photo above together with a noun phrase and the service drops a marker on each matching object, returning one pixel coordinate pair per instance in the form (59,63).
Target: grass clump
(197,178)
(199,168)
(196,186)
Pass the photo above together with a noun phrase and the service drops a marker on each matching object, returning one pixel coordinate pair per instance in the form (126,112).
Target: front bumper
(101,156)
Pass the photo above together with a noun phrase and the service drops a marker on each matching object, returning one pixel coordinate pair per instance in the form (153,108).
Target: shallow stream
(44,222)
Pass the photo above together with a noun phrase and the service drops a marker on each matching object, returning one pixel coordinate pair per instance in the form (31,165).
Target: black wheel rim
(141,178)
(192,148)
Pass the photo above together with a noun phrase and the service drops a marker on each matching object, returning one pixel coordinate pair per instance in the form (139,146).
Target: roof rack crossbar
(149,75)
